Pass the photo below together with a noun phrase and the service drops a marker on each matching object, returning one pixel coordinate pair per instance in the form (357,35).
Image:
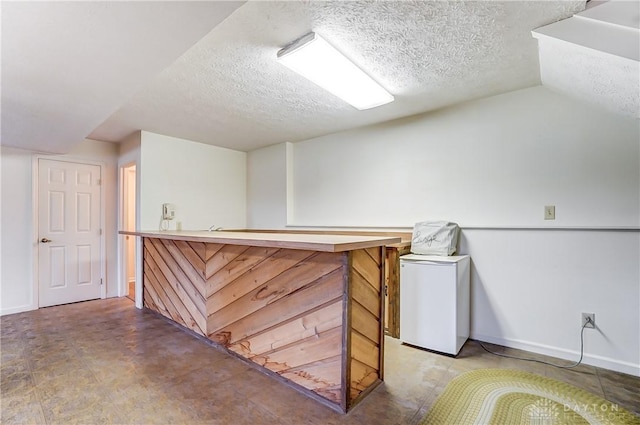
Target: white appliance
(434,301)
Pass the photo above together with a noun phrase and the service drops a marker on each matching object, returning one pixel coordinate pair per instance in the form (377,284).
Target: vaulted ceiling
(206,71)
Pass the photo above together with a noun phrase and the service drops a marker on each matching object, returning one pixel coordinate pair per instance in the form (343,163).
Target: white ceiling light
(315,59)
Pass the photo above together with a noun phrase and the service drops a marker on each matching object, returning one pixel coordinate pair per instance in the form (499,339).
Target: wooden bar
(314,242)
(309,309)
(392,287)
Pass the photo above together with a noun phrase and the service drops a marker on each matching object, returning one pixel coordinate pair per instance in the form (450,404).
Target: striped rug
(509,397)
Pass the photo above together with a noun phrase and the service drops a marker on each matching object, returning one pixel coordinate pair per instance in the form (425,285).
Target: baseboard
(561,353)
(19,309)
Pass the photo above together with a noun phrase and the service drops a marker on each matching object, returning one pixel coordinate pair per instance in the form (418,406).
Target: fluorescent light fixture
(315,59)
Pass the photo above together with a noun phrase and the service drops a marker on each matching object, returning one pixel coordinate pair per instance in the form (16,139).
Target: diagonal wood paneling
(362,377)
(172,291)
(217,258)
(367,267)
(176,265)
(365,308)
(365,294)
(289,311)
(286,284)
(298,328)
(200,249)
(274,314)
(364,322)
(374,253)
(323,377)
(324,290)
(316,348)
(170,265)
(196,261)
(254,277)
(236,268)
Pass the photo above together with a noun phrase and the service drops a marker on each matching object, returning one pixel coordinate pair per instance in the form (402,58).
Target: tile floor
(105,362)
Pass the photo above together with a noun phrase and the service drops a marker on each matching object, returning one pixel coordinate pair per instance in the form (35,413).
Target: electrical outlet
(550,212)
(592,323)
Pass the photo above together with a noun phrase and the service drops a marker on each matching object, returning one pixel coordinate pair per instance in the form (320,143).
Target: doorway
(129,224)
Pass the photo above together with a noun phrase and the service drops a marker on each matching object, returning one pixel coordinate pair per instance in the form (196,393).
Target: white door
(69,257)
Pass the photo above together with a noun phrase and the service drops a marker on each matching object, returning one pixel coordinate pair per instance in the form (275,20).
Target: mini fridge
(434,301)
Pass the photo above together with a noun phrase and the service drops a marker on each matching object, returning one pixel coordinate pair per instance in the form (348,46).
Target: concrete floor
(106,362)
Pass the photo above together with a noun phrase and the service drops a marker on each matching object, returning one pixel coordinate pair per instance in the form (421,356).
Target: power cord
(586,322)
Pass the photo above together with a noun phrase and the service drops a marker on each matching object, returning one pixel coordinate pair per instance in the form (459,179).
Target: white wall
(18,235)
(529,288)
(207,184)
(129,154)
(492,165)
(267,187)
(16,273)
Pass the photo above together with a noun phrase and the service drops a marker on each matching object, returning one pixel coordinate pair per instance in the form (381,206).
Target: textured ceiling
(67,66)
(595,56)
(228,89)
(609,81)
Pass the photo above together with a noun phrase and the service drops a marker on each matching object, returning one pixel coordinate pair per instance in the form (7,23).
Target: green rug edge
(447,402)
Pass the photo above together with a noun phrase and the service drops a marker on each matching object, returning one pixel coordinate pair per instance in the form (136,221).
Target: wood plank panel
(173,264)
(175,294)
(320,292)
(262,272)
(367,267)
(147,301)
(320,243)
(211,249)
(314,363)
(375,254)
(404,236)
(309,350)
(364,293)
(286,312)
(311,317)
(392,284)
(175,275)
(236,267)
(362,376)
(365,351)
(175,300)
(167,308)
(288,282)
(366,333)
(192,256)
(322,377)
(152,299)
(296,329)
(199,248)
(221,258)
(364,322)
(189,270)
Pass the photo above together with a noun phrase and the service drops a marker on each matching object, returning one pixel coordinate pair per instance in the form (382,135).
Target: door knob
(45,240)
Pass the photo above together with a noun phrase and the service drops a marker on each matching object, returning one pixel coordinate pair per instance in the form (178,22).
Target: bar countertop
(312,242)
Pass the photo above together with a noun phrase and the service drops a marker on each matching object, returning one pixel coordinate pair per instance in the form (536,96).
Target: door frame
(122,269)
(122,260)
(35,170)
